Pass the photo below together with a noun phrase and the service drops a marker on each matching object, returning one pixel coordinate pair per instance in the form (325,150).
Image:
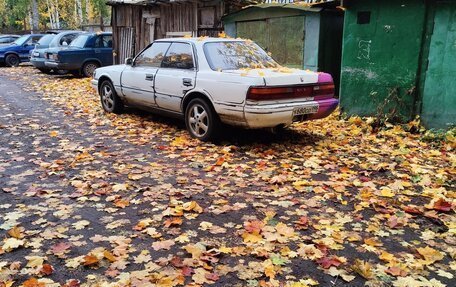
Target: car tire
(89,68)
(46,71)
(201,120)
(12,60)
(61,72)
(110,101)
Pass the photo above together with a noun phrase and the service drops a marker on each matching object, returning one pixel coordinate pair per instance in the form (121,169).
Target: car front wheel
(110,101)
(12,60)
(201,120)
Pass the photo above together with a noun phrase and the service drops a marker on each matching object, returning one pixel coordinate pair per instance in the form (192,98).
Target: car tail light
(293,92)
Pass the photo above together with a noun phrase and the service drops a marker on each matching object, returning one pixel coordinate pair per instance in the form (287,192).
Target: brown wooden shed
(136,23)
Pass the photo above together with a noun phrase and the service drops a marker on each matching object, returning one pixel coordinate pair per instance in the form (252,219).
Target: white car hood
(114,68)
(279,77)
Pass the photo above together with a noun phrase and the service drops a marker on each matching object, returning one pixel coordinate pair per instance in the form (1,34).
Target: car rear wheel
(110,101)
(46,71)
(12,60)
(201,120)
(61,72)
(89,68)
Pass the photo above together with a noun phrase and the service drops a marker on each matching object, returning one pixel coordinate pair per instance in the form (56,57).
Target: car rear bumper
(61,66)
(272,115)
(38,63)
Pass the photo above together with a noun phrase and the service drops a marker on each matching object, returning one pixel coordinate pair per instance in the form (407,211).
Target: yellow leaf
(12,243)
(251,237)
(430,255)
(386,192)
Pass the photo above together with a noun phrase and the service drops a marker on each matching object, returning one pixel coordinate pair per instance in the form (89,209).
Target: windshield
(237,55)
(21,40)
(80,41)
(46,40)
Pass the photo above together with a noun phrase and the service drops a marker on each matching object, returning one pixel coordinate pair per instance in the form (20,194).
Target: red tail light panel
(290,92)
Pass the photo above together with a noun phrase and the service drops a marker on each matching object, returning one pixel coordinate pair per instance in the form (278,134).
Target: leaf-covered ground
(94,199)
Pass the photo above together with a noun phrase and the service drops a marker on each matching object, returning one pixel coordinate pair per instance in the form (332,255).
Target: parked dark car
(7,39)
(19,51)
(61,40)
(86,53)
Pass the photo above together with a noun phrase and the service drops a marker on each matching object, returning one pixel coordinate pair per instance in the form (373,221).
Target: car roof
(95,33)
(200,40)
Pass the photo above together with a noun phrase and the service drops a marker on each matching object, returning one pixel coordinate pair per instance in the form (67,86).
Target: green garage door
(439,97)
(283,37)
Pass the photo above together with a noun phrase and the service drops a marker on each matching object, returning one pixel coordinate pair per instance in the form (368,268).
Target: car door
(28,46)
(103,49)
(137,80)
(176,76)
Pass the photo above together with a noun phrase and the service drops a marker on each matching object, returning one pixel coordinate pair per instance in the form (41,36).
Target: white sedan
(209,81)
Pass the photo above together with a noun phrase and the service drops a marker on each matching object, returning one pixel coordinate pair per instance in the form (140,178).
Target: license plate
(305,110)
(36,54)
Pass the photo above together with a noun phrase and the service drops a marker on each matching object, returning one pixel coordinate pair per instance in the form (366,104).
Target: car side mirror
(129,61)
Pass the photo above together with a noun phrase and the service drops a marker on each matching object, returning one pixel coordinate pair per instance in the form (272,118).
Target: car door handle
(149,77)
(97,51)
(187,82)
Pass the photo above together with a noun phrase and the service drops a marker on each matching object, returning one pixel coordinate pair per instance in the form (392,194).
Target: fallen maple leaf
(60,248)
(173,221)
(430,255)
(396,271)
(442,205)
(254,226)
(329,261)
(33,282)
(16,232)
(90,260)
(363,268)
(12,243)
(46,269)
(165,244)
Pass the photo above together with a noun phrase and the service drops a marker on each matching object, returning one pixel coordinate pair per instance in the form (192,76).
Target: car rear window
(235,55)
(45,40)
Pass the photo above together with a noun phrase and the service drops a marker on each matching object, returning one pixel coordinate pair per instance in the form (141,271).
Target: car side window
(99,42)
(179,56)
(103,41)
(107,41)
(152,56)
(67,39)
(5,40)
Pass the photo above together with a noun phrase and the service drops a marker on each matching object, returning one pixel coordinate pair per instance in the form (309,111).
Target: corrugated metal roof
(297,5)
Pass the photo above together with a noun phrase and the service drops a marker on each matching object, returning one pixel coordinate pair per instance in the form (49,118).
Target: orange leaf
(47,269)
(121,203)
(220,161)
(33,282)
(173,221)
(90,260)
(108,255)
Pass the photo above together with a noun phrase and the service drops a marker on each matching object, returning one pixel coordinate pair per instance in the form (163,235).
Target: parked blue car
(86,53)
(19,51)
(61,40)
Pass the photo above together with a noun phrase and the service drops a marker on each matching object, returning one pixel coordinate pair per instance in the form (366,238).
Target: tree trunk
(57,15)
(35,17)
(79,10)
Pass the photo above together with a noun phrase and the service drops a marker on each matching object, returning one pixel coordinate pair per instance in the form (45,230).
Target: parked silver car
(61,40)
